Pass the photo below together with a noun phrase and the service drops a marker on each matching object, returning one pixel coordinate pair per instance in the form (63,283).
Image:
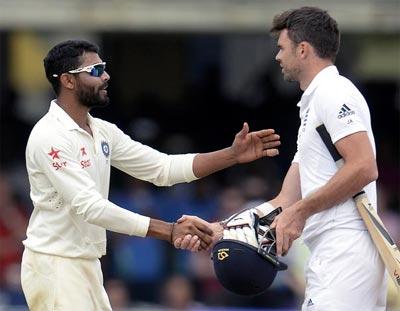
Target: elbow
(369,172)
(374,174)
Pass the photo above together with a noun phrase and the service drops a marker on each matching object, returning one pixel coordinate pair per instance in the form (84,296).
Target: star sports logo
(54,153)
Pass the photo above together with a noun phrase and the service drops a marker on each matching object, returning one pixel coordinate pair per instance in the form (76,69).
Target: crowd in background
(149,272)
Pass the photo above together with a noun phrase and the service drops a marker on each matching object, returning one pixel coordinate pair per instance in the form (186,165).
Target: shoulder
(45,128)
(104,125)
(109,131)
(48,131)
(334,93)
(337,87)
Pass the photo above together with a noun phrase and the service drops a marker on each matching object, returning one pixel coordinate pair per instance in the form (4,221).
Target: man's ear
(305,49)
(68,81)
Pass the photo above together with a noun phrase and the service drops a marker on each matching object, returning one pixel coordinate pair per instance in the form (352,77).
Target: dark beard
(291,76)
(90,97)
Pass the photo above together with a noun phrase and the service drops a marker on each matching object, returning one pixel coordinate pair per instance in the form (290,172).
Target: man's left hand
(251,146)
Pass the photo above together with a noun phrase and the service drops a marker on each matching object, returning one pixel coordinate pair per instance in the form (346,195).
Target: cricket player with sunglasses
(69,157)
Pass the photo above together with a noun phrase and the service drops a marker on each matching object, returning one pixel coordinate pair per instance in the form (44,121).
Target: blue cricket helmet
(243,269)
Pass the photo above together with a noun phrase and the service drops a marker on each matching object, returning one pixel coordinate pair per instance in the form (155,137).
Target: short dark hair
(65,56)
(310,24)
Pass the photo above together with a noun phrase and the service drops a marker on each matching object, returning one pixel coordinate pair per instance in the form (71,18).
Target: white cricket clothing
(69,174)
(345,274)
(59,283)
(334,101)
(345,271)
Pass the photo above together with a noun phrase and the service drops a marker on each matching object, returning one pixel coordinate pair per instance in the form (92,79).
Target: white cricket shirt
(333,100)
(69,175)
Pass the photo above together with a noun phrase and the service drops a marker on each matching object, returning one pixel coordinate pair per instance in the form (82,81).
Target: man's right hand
(192,242)
(192,233)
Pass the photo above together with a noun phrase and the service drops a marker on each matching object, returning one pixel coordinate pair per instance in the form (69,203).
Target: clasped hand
(197,233)
(194,242)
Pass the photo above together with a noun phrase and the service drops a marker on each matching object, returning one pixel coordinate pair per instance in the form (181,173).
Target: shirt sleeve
(296,158)
(146,163)
(55,157)
(340,112)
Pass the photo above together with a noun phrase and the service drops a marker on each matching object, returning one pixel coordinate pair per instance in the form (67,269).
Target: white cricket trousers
(53,283)
(344,273)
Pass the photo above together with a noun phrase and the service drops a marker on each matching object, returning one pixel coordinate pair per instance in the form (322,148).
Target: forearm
(284,200)
(207,163)
(105,214)
(290,192)
(160,230)
(348,181)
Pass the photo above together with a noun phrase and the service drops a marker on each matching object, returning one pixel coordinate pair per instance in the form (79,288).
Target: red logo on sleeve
(85,163)
(83,151)
(59,165)
(54,153)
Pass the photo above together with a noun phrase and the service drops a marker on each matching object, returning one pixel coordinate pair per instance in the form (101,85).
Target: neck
(74,109)
(313,69)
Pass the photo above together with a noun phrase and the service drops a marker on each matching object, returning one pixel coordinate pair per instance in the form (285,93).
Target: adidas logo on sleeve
(345,111)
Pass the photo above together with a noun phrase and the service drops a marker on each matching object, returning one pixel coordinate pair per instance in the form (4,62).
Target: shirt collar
(62,116)
(91,122)
(322,75)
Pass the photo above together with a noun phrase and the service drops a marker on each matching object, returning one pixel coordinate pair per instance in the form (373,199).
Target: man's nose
(105,76)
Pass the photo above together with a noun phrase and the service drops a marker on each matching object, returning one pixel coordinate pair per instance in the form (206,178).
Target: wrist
(218,230)
(218,227)
(160,230)
(303,209)
(231,155)
(264,209)
(172,233)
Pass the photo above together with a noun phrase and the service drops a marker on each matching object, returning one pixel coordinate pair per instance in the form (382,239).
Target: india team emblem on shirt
(105,148)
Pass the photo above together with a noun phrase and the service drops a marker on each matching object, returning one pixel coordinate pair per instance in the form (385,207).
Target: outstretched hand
(199,231)
(249,146)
